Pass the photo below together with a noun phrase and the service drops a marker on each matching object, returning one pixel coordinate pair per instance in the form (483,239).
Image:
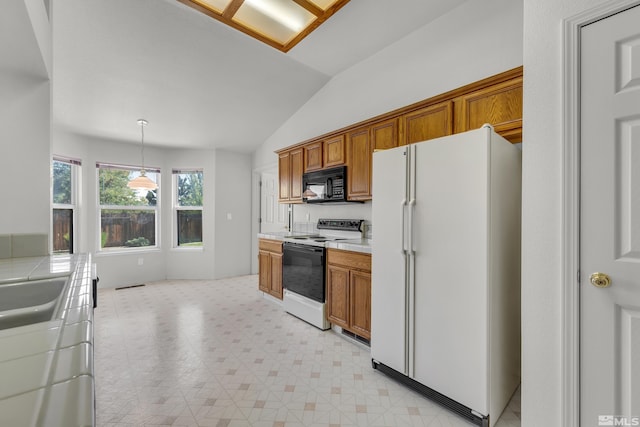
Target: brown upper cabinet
(334,151)
(290,167)
(385,134)
(313,156)
(426,123)
(359,161)
(500,105)
(496,100)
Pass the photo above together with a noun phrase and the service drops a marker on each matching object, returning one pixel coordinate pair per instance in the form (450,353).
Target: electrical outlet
(229,217)
(140,261)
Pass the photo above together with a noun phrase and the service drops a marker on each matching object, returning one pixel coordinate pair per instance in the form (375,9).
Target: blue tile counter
(46,368)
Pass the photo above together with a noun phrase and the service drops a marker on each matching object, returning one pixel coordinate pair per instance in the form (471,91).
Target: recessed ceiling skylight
(279,23)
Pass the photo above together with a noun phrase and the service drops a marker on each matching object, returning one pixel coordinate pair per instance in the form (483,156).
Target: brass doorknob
(600,280)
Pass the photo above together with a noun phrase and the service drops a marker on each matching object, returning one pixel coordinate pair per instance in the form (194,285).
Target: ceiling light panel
(279,20)
(279,23)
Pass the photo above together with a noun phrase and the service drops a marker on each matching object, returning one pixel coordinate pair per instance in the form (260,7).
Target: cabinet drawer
(270,245)
(353,260)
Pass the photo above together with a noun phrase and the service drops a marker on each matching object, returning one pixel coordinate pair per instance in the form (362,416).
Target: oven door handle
(302,248)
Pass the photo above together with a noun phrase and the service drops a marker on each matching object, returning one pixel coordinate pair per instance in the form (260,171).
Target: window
(64,198)
(128,217)
(188,207)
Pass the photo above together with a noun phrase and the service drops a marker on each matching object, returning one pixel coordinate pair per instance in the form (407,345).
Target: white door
(610,221)
(273,215)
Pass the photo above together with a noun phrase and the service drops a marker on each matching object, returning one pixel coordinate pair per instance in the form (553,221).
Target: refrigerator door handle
(412,205)
(404,247)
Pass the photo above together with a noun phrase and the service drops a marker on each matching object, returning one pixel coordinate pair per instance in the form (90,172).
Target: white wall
(196,263)
(226,189)
(475,40)
(233,214)
(25,116)
(542,281)
(114,269)
(24,154)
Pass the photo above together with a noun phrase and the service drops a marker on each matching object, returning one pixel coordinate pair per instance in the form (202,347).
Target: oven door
(303,270)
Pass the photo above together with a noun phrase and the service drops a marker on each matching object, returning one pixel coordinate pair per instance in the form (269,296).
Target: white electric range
(303,269)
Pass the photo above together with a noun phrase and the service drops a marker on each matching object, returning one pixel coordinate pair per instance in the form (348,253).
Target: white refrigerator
(445,296)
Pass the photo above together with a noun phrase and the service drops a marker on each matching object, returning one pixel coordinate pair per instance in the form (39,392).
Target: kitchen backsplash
(305,217)
(23,245)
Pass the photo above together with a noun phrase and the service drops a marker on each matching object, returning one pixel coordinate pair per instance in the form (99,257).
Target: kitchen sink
(29,302)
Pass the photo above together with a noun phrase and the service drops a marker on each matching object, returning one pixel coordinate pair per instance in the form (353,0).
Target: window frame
(74,204)
(176,207)
(152,208)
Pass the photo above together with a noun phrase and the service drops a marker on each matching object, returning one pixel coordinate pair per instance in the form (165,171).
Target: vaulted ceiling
(200,83)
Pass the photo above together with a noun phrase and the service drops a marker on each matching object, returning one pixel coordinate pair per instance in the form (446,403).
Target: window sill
(188,249)
(113,252)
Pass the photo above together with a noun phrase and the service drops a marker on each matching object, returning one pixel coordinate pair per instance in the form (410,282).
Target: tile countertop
(47,367)
(280,235)
(355,245)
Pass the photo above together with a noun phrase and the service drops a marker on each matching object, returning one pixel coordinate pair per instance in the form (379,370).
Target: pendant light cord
(142,125)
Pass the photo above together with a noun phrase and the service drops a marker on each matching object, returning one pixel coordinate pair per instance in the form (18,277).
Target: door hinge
(578,275)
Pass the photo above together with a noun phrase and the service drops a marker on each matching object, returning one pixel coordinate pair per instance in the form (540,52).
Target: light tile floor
(216,353)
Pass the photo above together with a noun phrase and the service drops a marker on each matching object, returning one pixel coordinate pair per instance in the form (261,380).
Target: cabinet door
(334,151)
(313,156)
(426,123)
(360,299)
(500,105)
(275,261)
(284,176)
(384,135)
(338,296)
(359,156)
(296,167)
(264,271)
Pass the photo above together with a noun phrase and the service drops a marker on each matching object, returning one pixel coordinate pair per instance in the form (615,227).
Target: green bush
(138,241)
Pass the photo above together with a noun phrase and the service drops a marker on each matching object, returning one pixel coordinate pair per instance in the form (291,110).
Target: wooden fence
(62,234)
(121,227)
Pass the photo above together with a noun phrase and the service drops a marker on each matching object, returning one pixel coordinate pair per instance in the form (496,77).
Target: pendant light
(142,182)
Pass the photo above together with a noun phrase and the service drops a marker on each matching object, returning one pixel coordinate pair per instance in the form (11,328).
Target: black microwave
(326,185)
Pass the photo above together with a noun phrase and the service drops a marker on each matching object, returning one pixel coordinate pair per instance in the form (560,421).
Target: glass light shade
(142,182)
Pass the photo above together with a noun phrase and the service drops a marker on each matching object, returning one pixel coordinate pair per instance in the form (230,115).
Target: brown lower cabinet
(349,291)
(270,267)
